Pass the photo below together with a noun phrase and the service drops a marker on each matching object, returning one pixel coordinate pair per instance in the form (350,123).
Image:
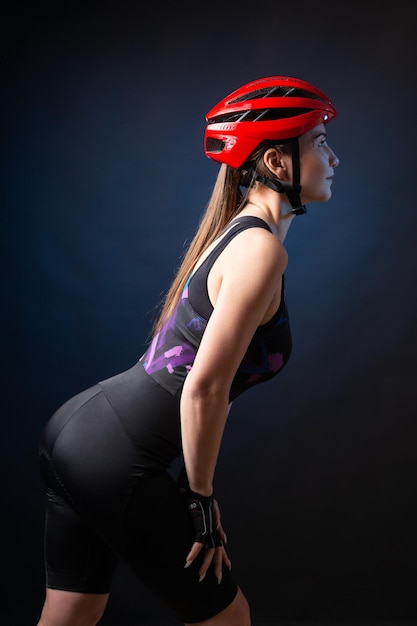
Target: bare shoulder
(244,287)
(257,248)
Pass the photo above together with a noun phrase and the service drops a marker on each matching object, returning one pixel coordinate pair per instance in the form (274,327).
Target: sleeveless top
(171,354)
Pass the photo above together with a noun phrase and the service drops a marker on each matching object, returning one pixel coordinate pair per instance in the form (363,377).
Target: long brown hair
(225,203)
(223,206)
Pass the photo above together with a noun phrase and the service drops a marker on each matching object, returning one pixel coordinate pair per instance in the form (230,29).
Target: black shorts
(105,457)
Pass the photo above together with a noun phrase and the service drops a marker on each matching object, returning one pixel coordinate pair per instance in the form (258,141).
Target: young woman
(105,454)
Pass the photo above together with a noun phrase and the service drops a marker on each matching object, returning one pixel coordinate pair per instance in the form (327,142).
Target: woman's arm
(248,274)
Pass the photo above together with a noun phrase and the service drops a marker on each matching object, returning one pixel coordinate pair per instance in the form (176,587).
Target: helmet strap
(294,193)
(280,186)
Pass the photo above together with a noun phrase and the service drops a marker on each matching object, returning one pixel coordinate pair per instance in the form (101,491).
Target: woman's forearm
(203,419)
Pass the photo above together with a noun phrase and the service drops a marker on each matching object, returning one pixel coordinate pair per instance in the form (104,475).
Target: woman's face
(317,163)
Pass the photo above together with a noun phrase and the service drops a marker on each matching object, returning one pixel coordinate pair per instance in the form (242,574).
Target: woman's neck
(273,208)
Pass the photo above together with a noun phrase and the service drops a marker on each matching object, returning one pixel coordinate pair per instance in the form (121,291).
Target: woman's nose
(334,161)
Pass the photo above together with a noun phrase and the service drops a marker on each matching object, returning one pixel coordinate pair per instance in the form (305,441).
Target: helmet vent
(277,92)
(257,115)
(214,145)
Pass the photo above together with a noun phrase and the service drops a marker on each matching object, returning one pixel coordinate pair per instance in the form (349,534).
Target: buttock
(98,443)
(110,495)
(87,458)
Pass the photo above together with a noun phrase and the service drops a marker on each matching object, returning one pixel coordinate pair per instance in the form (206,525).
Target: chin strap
(291,189)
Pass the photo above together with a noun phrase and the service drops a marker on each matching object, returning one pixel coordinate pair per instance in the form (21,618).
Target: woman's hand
(209,534)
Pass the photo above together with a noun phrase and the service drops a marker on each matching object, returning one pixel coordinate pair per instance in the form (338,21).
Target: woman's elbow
(204,389)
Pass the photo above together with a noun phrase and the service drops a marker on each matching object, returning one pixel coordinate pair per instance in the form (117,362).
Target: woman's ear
(278,163)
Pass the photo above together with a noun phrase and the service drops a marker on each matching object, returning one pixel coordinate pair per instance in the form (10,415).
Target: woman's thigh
(236,614)
(77,558)
(67,608)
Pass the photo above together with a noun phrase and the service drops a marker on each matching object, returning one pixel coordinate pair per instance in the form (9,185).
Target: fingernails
(219,578)
(224,538)
(187,564)
(202,577)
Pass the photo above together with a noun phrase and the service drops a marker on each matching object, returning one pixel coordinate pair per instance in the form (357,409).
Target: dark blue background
(104,180)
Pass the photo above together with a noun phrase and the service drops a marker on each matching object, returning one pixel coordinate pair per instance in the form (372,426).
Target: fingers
(195,550)
(208,558)
(219,559)
(216,511)
(225,558)
(217,520)
(215,557)
(222,534)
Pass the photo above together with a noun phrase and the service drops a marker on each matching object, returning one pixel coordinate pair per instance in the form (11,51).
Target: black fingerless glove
(201,513)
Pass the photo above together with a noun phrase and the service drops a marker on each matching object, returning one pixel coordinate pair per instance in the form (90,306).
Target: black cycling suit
(105,456)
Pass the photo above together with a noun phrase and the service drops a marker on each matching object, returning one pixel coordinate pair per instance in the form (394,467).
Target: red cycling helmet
(272,108)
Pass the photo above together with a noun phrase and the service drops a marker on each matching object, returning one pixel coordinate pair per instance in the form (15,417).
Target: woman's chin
(320,197)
